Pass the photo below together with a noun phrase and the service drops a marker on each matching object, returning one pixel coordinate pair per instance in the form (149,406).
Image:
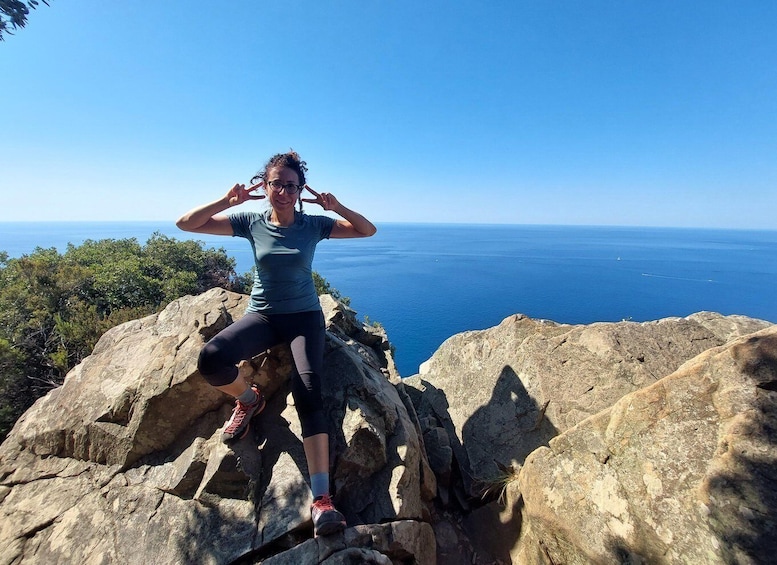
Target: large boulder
(488,398)
(124,464)
(682,471)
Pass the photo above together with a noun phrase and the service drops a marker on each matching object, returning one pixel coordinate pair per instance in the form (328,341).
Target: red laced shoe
(238,424)
(326,519)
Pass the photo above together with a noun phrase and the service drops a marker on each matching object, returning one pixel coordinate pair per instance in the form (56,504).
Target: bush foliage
(54,307)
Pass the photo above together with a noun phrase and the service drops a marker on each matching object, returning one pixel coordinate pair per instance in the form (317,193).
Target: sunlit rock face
(529,442)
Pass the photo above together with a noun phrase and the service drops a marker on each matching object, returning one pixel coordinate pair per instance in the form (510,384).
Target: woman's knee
(214,366)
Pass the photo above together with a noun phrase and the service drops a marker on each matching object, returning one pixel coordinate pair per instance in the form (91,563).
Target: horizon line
(435,224)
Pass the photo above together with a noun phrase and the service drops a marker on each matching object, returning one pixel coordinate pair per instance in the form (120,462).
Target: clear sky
(659,113)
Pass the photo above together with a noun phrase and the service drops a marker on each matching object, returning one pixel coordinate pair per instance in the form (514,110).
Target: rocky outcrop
(530,442)
(124,464)
(498,394)
(487,399)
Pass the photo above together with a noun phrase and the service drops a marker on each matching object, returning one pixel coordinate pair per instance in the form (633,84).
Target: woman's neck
(283,219)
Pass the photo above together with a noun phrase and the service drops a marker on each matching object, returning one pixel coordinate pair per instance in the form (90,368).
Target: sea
(426,282)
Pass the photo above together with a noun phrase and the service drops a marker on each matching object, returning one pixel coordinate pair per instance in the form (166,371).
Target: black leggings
(255,333)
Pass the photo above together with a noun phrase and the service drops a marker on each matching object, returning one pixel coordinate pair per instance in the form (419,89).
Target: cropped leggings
(256,332)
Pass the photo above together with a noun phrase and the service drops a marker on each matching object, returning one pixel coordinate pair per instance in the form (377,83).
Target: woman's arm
(353,223)
(208,218)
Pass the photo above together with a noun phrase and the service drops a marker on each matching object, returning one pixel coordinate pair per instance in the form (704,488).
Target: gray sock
(248,397)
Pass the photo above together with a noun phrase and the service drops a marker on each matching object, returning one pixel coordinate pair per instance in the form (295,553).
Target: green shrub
(54,307)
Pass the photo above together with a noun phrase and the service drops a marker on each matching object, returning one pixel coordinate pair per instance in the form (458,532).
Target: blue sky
(612,113)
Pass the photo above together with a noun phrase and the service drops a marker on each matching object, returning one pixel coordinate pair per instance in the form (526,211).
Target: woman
(284,307)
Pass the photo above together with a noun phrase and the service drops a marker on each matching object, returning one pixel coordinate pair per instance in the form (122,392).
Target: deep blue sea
(426,282)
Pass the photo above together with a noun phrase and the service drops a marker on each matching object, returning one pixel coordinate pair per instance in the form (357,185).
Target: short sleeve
(241,223)
(323,225)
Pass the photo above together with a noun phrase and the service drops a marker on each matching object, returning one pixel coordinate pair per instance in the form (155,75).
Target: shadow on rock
(500,434)
(497,438)
(473,465)
(282,494)
(744,496)
(208,534)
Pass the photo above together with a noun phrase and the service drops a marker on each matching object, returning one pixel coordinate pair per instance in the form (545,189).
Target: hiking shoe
(238,424)
(326,519)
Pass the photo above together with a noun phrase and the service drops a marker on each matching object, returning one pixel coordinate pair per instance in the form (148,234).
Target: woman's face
(281,200)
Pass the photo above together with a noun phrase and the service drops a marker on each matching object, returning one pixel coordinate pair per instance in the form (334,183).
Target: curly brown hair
(291,160)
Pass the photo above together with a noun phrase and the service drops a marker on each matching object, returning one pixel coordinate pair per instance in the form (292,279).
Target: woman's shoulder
(243,221)
(316,226)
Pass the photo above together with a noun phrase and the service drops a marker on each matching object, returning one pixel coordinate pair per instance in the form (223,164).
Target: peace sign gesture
(326,200)
(239,193)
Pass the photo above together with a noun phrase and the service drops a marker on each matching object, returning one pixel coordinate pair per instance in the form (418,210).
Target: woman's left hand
(353,224)
(326,200)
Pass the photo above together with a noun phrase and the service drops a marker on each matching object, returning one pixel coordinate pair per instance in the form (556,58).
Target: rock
(682,471)
(532,441)
(124,462)
(501,393)
(342,323)
(379,544)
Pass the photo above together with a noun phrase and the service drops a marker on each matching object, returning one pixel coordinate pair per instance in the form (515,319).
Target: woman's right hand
(208,217)
(239,193)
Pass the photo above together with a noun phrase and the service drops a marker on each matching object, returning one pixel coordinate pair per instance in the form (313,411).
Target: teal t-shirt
(283,282)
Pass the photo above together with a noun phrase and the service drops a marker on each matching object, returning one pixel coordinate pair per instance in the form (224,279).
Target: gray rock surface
(682,471)
(379,544)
